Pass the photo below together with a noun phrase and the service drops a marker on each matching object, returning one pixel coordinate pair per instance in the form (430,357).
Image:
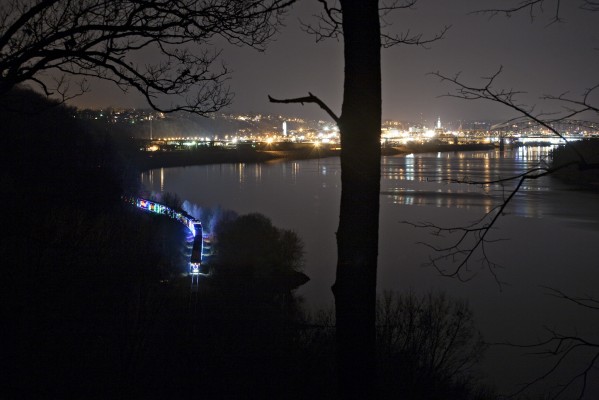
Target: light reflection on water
(430,180)
(552,234)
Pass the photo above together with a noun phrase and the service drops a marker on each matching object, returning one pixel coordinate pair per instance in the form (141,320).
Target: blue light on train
(194,226)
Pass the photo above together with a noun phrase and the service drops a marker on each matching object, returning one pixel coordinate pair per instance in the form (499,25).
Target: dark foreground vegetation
(95,303)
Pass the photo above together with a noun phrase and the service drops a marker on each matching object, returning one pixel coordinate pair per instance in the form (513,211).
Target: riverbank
(441,147)
(167,159)
(219,155)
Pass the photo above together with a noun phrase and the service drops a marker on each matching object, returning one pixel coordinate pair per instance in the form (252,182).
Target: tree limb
(563,348)
(533,7)
(330,24)
(501,96)
(308,99)
(100,39)
(472,239)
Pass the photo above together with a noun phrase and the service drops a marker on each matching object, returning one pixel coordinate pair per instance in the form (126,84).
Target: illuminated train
(198,248)
(191,223)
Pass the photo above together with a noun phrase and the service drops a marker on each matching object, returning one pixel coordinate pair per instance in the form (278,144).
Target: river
(547,237)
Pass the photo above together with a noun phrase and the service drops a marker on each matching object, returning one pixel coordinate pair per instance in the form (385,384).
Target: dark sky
(537,57)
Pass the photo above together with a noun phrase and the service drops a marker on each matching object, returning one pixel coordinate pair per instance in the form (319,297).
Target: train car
(190,222)
(197,249)
(151,206)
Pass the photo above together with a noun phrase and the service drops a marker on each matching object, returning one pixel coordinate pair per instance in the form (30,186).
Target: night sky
(537,57)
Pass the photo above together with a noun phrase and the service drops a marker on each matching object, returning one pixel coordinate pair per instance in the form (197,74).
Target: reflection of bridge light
(550,140)
(409,167)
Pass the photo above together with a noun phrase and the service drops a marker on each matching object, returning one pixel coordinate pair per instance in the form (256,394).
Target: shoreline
(171,159)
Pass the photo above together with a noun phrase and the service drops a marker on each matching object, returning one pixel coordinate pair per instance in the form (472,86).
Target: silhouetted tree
(428,345)
(171,200)
(358,22)
(46,42)
(256,258)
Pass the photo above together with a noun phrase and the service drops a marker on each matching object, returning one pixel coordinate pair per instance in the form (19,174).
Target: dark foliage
(253,256)
(81,276)
(428,347)
(47,156)
(586,178)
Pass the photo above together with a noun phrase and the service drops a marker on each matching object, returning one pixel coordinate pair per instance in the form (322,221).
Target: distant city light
(271,129)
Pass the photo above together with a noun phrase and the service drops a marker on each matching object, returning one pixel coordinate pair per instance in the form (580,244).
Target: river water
(548,237)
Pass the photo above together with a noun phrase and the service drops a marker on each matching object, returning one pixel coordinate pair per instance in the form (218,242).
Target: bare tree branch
(329,22)
(308,99)
(329,25)
(502,96)
(575,107)
(534,8)
(590,5)
(563,349)
(104,38)
(472,239)
(587,301)
(412,39)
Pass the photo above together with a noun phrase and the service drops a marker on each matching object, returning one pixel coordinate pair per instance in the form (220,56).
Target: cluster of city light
(188,138)
(393,136)
(328,134)
(414,135)
(324,133)
(292,129)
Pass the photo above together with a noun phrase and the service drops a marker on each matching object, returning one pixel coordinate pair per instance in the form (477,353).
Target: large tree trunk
(357,235)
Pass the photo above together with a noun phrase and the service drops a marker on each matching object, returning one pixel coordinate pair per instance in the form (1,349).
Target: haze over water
(551,236)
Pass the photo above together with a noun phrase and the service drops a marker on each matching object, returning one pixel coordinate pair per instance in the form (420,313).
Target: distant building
(439,131)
